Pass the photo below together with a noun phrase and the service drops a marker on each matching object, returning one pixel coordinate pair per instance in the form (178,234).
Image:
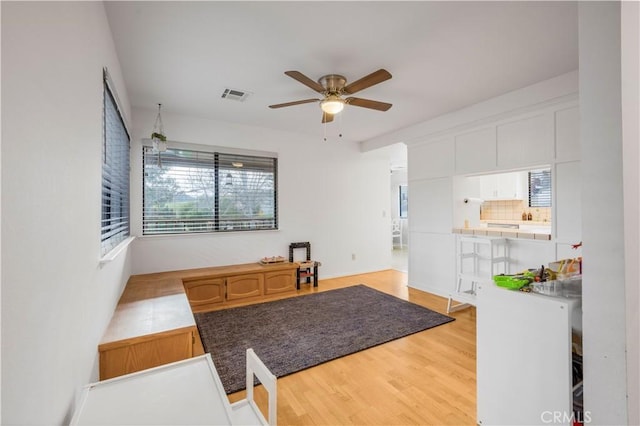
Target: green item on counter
(511,282)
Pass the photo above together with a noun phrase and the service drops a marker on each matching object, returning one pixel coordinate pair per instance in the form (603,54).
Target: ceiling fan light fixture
(332,105)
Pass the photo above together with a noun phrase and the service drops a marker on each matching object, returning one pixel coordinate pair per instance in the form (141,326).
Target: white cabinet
(432,262)
(476,151)
(431,160)
(525,142)
(524,357)
(504,186)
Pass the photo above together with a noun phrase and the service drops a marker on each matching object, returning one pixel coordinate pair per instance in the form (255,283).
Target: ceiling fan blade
(326,117)
(367,103)
(297,75)
(286,104)
(367,81)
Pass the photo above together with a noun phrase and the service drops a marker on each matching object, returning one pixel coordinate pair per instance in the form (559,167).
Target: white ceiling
(442,55)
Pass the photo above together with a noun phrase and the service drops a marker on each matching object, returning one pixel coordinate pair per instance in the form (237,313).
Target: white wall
(0,245)
(56,299)
(603,284)
(631,166)
(329,193)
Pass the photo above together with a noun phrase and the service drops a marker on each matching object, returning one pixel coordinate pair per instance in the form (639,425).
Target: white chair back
(256,367)
(246,411)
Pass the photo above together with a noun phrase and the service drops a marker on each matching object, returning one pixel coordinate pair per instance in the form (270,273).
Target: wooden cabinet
(133,355)
(244,286)
(279,281)
(151,326)
(205,293)
(223,286)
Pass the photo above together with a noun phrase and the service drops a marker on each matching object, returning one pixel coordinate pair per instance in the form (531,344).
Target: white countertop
(542,234)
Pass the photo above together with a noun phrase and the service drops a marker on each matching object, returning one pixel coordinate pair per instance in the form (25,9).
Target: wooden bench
(153,323)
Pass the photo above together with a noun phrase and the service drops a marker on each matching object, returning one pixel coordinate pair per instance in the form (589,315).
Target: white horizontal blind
(404,201)
(115,176)
(193,191)
(247,194)
(540,188)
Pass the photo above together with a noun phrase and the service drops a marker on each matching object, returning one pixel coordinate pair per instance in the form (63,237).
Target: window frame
(217,162)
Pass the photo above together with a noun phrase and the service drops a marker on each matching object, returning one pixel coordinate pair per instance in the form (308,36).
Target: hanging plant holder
(158,138)
(159,145)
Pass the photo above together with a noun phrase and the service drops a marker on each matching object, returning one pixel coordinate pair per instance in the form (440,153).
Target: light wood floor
(428,378)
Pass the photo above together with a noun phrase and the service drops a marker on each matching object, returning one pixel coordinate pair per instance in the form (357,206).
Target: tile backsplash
(512,210)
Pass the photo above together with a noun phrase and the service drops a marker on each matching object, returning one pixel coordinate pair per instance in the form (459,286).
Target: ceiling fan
(333,87)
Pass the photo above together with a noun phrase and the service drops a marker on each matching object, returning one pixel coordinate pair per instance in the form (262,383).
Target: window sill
(111,256)
(205,234)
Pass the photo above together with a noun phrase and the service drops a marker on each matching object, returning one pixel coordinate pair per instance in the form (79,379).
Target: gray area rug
(292,334)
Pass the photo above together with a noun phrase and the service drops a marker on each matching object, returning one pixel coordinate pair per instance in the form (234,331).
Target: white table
(187,392)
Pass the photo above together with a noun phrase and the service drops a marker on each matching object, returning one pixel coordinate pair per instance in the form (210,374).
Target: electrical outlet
(353,256)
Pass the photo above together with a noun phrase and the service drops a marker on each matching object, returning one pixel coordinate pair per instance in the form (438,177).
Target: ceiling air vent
(235,95)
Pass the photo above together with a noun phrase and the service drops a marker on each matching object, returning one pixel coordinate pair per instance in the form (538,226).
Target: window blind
(540,188)
(194,191)
(403,201)
(115,175)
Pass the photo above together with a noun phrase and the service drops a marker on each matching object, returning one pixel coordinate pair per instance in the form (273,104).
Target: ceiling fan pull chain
(324,127)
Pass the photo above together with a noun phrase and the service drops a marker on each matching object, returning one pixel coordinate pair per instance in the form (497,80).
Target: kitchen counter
(537,234)
(517,222)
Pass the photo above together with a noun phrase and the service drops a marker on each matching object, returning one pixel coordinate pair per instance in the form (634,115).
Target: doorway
(399,202)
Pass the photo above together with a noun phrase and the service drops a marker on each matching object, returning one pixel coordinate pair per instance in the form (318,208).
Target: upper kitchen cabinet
(525,142)
(504,186)
(476,151)
(431,160)
(568,134)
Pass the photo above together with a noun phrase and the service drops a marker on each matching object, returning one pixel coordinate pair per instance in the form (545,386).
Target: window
(403,201)
(193,191)
(540,188)
(115,173)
